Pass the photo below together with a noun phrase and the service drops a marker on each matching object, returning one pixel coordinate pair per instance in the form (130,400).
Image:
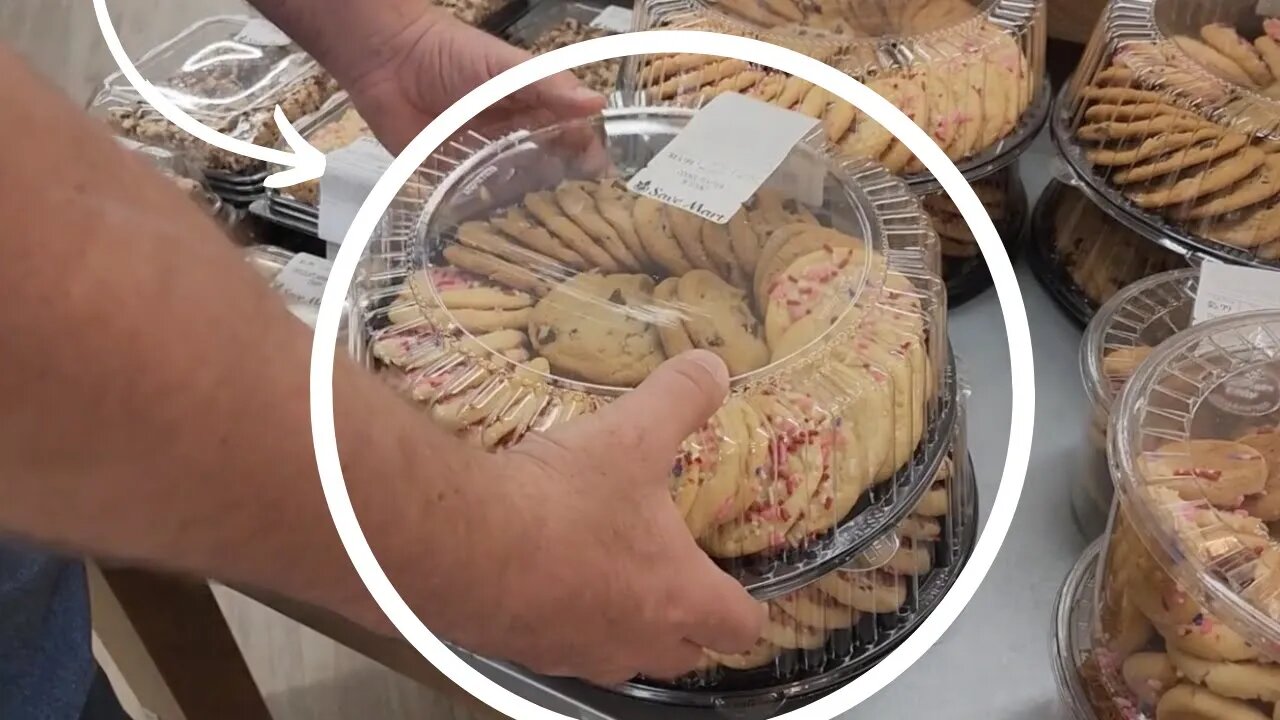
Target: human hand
(437,60)
(600,578)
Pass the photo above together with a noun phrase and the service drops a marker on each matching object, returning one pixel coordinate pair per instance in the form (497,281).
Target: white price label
(262,33)
(615,19)
(1228,290)
(302,280)
(705,170)
(349,177)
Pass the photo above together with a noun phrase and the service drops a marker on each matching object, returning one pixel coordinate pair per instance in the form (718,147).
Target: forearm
(154,393)
(350,38)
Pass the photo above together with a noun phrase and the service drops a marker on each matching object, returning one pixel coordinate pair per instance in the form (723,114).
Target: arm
(154,408)
(405,62)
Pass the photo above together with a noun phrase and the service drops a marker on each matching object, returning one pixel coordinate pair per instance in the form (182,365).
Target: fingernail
(713,365)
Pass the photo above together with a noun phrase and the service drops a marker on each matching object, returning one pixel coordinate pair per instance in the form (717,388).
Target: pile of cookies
(528,312)
(851,18)
(1158,652)
(471,12)
(969,97)
(345,129)
(140,122)
(955,237)
(1160,124)
(806,619)
(1098,254)
(601,76)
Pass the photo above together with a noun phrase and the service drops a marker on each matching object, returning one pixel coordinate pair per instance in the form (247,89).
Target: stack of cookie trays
(1172,124)
(1083,256)
(1120,337)
(517,284)
(828,632)
(229,73)
(972,77)
(1185,619)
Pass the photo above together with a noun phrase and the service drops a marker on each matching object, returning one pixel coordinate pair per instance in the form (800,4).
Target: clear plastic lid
(1174,114)
(971,75)
(1156,647)
(1195,451)
(552,25)
(1005,200)
(1129,327)
(1093,255)
(227,72)
(520,284)
(1074,666)
(336,126)
(830,631)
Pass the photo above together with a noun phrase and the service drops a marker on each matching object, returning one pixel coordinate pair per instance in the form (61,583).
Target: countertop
(994,662)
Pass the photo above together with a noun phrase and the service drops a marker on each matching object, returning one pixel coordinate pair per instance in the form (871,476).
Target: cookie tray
(1151,226)
(800,676)
(1042,258)
(544,15)
(764,576)
(969,277)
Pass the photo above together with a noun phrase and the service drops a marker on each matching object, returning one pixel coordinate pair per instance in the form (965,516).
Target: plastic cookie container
(550,25)
(336,127)
(963,267)
(1174,115)
(520,284)
(229,73)
(1083,255)
(828,632)
(972,76)
(1186,619)
(1121,336)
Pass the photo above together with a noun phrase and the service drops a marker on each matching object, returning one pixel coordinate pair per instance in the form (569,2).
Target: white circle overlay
(448,124)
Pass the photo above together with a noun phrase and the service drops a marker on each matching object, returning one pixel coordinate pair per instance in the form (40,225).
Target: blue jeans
(102,703)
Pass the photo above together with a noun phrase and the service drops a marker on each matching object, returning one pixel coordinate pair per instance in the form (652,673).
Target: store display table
(995,661)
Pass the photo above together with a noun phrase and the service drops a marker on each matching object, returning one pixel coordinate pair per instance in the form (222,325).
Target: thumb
(565,97)
(674,401)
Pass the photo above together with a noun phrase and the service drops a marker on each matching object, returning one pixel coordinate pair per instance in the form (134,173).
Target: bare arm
(153,392)
(154,408)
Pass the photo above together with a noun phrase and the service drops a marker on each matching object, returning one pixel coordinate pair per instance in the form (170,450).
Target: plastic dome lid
(1195,452)
(523,285)
(970,75)
(1130,326)
(1175,115)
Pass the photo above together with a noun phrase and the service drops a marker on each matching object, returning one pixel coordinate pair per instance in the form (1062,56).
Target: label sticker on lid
(349,176)
(302,280)
(614,18)
(722,157)
(262,33)
(1229,290)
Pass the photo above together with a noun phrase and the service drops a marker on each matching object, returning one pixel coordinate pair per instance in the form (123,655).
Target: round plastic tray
(892,595)
(481,304)
(1174,115)
(1120,337)
(970,75)
(1083,256)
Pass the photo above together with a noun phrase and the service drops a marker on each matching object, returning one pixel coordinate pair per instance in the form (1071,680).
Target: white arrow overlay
(305,162)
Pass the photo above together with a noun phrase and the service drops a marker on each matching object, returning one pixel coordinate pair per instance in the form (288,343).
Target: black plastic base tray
(1048,269)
